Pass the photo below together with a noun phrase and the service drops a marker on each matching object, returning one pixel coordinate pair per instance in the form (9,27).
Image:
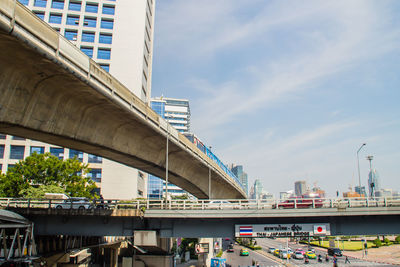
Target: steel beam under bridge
(52,92)
(365,221)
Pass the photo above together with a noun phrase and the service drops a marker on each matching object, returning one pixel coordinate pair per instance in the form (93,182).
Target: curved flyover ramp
(54,93)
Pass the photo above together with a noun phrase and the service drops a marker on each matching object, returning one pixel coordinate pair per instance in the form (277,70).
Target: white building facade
(177,113)
(119,36)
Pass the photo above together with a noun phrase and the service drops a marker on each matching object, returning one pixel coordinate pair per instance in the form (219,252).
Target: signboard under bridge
(282,230)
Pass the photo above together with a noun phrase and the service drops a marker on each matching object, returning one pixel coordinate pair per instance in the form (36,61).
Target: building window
(24,2)
(1,151)
(89,22)
(76,153)
(95,175)
(140,193)
(57,152)
(55,18)
(18,138)
(3,136)
(103,53)
(39,14)
(88,51)
(105,67)
(40,3)
(109,10)
(71,35)
(17,152)
(94,159)
(72,20)
(58,4)
(37,149)
(74,6)
(105,38)
(88,37)
(92,8)
(107,24)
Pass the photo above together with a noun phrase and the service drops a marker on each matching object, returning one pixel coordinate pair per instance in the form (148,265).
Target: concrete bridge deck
(52,92)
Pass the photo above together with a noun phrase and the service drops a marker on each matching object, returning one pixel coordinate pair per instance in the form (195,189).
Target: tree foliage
(41,172)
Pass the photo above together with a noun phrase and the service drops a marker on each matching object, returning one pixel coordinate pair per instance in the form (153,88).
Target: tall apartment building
(300,188)
(177,113)
(119,36)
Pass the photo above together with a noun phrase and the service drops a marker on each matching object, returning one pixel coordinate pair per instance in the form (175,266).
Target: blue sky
(288,89)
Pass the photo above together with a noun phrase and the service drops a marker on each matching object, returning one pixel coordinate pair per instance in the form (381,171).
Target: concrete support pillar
(205,258)
(165,244)
(114,257)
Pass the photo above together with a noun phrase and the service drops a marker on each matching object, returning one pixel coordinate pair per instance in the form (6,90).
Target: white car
(271,250)
(80,203)
(298,255)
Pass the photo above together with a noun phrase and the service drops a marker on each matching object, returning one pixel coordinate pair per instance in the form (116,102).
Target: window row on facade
(74,20)
(73,6)
(18,152)
(88,37)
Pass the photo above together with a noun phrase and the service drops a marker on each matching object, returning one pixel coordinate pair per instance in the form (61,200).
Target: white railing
(223,204)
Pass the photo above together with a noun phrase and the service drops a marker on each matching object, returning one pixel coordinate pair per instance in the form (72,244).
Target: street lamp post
(166,166)
(358,164)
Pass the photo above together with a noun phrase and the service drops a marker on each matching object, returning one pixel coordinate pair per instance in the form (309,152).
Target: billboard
(282,230)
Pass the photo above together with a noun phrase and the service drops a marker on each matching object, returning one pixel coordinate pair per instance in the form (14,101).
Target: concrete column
(205,258)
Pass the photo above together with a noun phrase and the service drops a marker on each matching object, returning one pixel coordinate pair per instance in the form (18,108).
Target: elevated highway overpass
(52,92)
(209,218)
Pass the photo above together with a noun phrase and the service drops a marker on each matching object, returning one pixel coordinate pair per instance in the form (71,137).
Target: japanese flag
(319,229)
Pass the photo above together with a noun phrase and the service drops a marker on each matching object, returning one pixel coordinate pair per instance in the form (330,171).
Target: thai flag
(245,230)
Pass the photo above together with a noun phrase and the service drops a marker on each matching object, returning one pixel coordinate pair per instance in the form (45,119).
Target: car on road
(284,254)
(244,252)
(335,251)
(298,255)
(277,252)
(301,251)
(230,248)
(271,250)
(80,203)
(310,255)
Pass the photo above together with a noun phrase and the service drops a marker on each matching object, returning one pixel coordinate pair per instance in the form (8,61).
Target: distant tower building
(373,178)
(177,113)
(257,189)
(300,188)
(242,176)
(373,181)
(360,190)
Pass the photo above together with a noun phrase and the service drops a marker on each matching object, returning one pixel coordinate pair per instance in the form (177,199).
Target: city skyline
(290,91)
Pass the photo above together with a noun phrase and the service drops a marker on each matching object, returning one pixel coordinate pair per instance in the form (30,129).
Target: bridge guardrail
(213,204)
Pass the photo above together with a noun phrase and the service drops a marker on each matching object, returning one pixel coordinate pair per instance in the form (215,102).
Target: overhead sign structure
(282,230)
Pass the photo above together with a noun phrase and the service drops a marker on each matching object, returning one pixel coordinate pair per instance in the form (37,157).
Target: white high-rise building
(119,36)
(177,113)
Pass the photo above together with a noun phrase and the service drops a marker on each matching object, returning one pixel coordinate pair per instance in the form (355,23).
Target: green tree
(47,170)
(397,239)
(39,192)
(377,242)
